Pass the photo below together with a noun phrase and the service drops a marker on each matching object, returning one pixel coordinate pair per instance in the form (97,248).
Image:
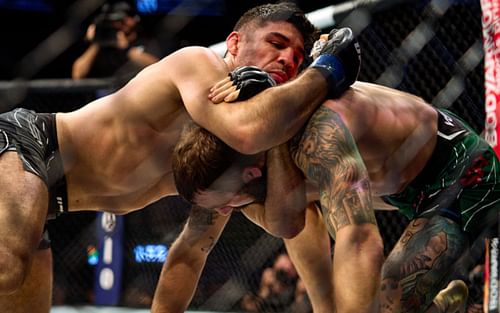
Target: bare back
(117,150)
(395,133)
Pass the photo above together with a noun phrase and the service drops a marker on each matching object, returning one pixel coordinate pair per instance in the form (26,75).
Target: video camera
(107,22)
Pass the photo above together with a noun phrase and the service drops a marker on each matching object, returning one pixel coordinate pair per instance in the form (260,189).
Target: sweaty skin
(127,165)
(395,133)
(372,141)
(116,151)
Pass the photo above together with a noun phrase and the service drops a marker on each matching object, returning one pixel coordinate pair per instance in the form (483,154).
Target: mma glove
(250,80)
(339,61)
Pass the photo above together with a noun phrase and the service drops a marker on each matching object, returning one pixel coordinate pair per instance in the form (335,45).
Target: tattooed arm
(186,260)
(327,154)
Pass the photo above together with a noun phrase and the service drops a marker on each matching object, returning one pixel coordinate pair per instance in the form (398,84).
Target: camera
(105,31)
(107,23)
(283,277)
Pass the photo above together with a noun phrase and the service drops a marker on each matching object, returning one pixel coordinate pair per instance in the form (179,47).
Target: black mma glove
(250,80)
(339,61)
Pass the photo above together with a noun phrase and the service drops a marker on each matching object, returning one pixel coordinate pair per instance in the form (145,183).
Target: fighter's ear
(250,173)
(232,42)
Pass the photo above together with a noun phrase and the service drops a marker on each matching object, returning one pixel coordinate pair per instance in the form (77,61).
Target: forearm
(310,252)
(358,258)
(271,117)
(186,259)
(141,57)
(178,281)
(331,73)
(82,65)
(286,195)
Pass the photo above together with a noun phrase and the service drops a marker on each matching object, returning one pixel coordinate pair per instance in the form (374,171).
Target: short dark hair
(283,11)
(199,158)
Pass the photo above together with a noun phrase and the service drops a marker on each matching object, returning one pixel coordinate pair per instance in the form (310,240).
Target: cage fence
(432,49)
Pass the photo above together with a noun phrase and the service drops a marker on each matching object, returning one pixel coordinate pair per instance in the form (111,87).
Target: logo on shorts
(475,173)
(447,120)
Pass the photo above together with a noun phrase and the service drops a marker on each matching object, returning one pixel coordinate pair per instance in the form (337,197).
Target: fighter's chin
(279,78)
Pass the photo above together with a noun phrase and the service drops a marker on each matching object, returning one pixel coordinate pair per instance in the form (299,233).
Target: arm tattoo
(327,154)
(200,220)
(210,244)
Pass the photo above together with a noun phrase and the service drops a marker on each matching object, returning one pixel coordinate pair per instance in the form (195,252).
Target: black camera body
(107,23)
(106,30)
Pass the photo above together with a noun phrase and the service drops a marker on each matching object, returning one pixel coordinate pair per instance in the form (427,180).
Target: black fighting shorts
(33,136)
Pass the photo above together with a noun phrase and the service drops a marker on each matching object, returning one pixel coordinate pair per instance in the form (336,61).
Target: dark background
(25,24)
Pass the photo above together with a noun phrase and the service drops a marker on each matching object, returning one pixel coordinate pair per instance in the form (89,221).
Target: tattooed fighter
(371,141)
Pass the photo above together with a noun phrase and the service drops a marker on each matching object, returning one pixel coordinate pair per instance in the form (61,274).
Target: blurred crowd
(280,290)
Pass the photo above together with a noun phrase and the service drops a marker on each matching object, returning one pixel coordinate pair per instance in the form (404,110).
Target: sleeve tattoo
(327,154)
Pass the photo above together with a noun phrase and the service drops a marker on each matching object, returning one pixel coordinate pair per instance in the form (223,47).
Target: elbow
(291,232)
(248,139)
(286,229)
(284,233)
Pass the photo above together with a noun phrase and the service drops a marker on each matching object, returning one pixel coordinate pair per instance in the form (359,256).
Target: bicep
(194,72)
(234,123)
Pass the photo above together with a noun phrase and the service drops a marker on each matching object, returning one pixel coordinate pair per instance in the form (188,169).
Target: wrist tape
(333,70)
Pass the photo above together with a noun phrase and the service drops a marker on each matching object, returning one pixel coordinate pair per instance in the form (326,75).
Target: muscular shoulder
(356,108)
(194,57)
(379,94)
(193,69)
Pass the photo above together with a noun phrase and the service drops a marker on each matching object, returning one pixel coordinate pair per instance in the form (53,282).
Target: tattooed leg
(413,273)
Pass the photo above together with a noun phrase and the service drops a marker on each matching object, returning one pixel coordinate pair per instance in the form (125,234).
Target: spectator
(301,303)
(115,47)
(476,289)
(139,292)
(277,288)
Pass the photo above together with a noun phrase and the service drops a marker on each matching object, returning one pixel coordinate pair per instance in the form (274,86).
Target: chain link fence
(432,49)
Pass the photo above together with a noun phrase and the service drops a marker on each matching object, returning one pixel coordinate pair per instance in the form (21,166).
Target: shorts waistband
(450,131)
(58,202)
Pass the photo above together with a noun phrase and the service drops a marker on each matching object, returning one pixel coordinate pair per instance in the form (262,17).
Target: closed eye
(278,45)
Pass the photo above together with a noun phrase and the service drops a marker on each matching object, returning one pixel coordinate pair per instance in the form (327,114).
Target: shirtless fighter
(114,154)
(371,141)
